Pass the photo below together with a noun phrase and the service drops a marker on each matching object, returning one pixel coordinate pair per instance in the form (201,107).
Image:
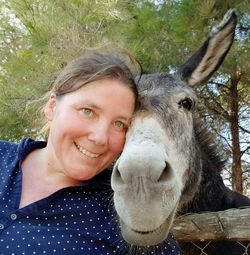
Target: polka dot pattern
(73,220)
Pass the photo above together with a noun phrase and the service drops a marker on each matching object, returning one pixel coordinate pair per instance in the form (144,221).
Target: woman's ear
(50,107)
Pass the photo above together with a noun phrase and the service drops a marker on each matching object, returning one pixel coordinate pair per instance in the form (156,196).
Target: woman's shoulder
(6,147)
(8,155)
(9,149)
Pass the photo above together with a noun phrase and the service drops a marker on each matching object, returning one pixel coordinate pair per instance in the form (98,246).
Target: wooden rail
(233,224)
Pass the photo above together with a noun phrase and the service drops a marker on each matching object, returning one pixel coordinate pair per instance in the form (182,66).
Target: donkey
(161,167)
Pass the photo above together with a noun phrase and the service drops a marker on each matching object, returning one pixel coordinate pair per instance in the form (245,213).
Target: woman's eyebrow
(124,118)
(90,104)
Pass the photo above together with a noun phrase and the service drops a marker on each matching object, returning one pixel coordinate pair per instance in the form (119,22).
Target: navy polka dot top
(74,220)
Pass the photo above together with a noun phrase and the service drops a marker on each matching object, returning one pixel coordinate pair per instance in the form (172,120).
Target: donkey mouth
(146,232)
(149,237)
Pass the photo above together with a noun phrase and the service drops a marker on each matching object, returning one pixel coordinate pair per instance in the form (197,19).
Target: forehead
(163,85)
(109,92)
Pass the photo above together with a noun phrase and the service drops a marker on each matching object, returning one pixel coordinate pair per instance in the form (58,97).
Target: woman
(55,195)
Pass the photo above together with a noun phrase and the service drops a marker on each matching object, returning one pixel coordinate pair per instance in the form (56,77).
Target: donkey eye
(186,103)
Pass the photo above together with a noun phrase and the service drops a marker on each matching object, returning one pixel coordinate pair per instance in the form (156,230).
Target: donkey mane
(211,150)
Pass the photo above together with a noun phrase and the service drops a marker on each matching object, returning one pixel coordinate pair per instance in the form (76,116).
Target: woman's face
(88,127)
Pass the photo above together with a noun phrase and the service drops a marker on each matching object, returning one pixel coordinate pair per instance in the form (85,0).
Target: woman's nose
(99,134)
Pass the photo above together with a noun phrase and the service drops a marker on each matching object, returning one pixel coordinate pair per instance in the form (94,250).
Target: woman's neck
(41,178)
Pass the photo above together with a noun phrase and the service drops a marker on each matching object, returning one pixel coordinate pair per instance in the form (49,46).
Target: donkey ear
(200,67)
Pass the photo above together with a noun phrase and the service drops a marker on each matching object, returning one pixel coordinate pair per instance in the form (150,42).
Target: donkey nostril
(166,173)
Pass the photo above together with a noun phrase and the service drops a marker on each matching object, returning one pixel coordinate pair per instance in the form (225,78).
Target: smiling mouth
(86,153)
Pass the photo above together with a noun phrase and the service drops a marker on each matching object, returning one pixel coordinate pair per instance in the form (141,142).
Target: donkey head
(160,167)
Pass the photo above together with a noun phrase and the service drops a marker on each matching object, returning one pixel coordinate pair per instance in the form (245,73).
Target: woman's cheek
(118,142)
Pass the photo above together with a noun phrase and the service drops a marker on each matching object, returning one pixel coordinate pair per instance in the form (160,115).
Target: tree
(226,98)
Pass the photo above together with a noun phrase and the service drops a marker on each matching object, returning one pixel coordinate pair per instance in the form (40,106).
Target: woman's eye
(87,112)
(120,125)
(186,103)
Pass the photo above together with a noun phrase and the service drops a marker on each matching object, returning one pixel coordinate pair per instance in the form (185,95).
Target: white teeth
(87,153)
